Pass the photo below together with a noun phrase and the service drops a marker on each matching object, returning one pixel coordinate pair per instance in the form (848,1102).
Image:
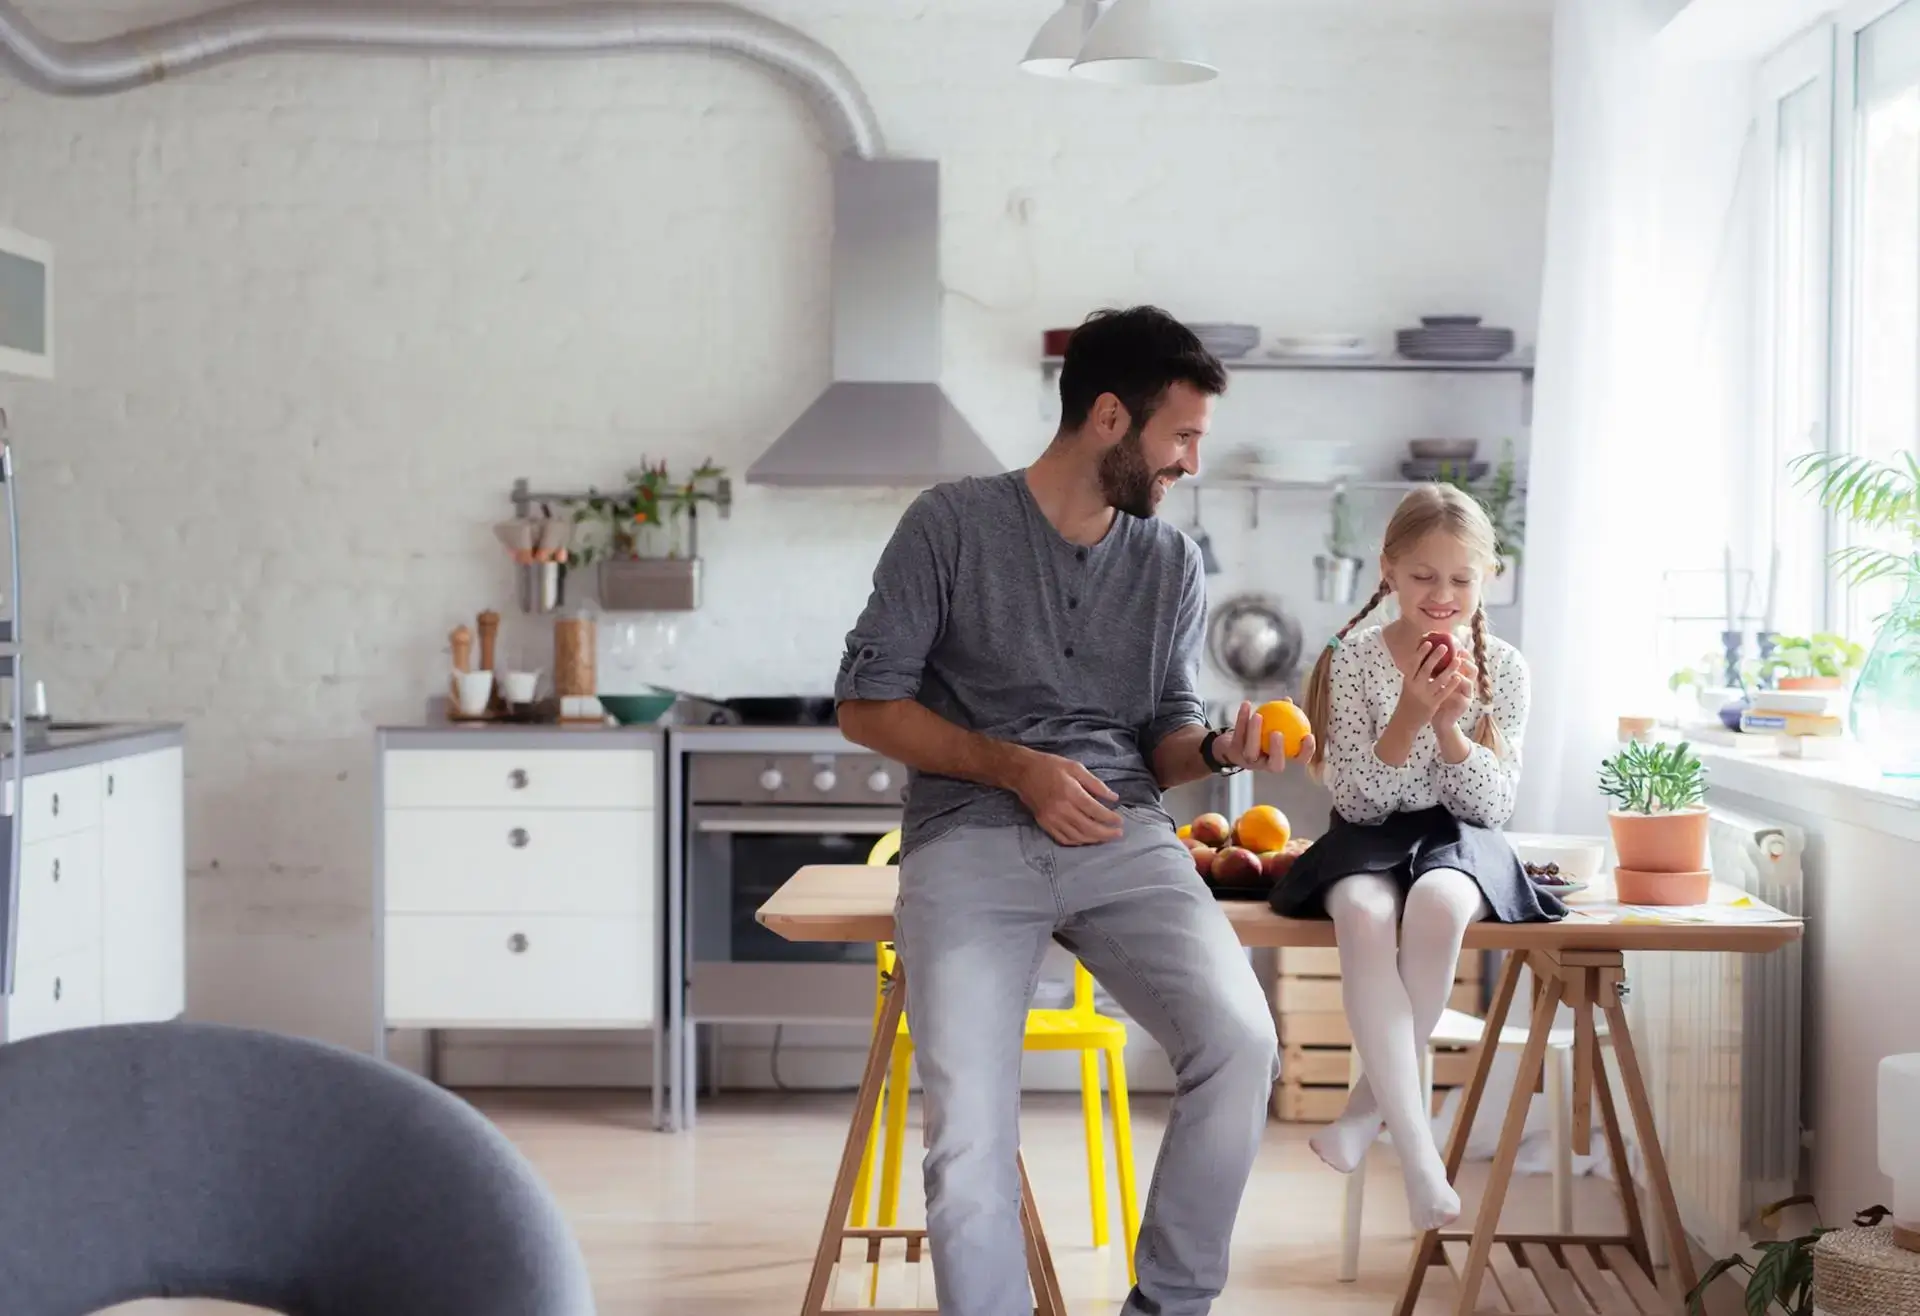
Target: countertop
(76,745)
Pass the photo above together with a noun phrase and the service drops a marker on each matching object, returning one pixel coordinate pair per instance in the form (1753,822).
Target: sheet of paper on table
(1730,913)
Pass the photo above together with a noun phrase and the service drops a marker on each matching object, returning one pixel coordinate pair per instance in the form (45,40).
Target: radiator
(1720,1043)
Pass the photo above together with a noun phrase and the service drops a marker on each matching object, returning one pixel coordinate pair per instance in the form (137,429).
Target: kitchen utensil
(1252,639)
(1454,338)
(543,586)
(555,537)
(1449,321)
(518,537)
(1336,579)
(1302,461)
(1227,340)
(1202,540)
(521,687)
(573,657)
(461,641)
(637,710)
(1443,449)
(784,710)
(1053,342)
(472,690)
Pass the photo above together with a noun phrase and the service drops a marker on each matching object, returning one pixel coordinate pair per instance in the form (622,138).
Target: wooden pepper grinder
(462,641)
(489,641)
(573,660)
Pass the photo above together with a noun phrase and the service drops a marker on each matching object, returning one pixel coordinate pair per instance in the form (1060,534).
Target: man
(1030,652)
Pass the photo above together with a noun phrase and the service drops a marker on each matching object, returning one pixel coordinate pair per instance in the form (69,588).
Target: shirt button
(1069,651)
(1073,603)
(1082,555)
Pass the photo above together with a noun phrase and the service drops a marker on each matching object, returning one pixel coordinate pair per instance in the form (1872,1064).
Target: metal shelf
(1514,365)
(1249,483)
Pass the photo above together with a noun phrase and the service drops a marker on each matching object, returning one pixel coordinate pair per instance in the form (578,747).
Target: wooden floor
(723,1222)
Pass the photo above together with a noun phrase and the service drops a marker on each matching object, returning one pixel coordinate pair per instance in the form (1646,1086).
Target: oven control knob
(825,780)
(879,781)
(771,780)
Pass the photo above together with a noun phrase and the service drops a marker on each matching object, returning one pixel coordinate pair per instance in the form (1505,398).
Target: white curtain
(1639,406)
(1640,425)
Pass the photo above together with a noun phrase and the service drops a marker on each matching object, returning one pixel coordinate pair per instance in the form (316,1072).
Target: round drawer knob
(517,943)
(517,838)
(517,779)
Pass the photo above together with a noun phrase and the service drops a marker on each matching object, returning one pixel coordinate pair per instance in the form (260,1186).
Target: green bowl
(636,710)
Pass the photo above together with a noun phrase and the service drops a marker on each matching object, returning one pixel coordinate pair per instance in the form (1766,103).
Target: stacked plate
(1441,468)
(1228,340)
(1322,347)
(1454,338)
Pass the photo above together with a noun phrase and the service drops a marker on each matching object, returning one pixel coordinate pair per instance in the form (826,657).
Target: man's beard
(1125,480)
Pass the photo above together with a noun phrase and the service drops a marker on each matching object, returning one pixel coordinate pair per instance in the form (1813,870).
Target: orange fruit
(1286,719)
(1262,828)
(1185,831)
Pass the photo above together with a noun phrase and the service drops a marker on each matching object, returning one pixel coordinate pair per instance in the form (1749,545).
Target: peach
(1212,829)
(1275,864)
(1234,866)
(1203,857)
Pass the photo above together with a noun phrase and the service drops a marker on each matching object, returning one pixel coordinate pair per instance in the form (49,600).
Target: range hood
(884,422)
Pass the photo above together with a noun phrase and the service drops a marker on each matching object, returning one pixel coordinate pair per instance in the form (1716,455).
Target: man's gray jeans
(976,909)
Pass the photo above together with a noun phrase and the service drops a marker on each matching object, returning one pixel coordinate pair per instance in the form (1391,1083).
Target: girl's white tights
(1393,999)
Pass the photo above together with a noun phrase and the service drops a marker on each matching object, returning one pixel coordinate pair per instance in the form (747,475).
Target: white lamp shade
(1899,1124)
(1135,42)
(1057,44)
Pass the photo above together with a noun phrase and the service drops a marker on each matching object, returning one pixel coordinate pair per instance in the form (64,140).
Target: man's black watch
(1214,765)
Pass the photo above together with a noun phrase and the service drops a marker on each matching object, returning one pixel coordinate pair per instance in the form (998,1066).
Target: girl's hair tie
(1333,642)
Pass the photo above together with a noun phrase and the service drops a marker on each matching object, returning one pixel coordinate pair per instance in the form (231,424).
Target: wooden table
(1576,961)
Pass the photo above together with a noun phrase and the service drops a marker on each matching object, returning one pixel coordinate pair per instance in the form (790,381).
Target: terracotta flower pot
(1631,887)
(1809,683)
(1660,842)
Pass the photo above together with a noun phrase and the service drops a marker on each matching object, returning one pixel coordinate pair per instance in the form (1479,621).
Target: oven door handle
(810,823)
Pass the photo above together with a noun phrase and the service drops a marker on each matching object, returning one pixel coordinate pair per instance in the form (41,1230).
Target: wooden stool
(1567,1274)
(889,1256)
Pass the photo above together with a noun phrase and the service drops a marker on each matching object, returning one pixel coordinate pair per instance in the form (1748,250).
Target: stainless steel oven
(753,820)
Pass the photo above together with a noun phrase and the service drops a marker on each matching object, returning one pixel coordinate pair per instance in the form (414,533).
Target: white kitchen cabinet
(143,888)
(102,897)
(519,887)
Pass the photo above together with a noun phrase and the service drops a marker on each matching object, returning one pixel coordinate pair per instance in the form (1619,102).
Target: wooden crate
(1307,1104)
(1322,996)
(1330,1065)
(1324,962)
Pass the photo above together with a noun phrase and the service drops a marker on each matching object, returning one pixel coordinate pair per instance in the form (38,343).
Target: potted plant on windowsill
(1659,823)
(1882,499)
(1821,661)
(645,538)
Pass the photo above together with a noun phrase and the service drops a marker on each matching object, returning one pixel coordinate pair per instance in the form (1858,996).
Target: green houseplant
(1781,1278)
(642,537)
(1882,498)
(1659,823)
(1821,661)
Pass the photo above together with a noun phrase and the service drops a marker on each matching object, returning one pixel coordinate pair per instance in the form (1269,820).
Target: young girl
(1422,754)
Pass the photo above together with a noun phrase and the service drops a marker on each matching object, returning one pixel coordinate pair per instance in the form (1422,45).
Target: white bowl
(1579,858)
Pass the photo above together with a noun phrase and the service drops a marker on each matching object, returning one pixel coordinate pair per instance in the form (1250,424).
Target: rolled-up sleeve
(1180,704)
(886,651)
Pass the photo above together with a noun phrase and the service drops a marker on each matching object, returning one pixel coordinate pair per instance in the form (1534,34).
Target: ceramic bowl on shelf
(1326,347)
(1301,461)
(1443,449)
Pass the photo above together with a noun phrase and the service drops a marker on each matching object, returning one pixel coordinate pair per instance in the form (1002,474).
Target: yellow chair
(1077,1028)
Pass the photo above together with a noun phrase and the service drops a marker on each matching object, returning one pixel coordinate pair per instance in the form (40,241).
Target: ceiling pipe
(266,27)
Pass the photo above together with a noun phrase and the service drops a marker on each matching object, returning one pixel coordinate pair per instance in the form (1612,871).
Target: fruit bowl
(1567,858)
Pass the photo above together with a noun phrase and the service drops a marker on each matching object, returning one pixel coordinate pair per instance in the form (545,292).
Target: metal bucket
(543,586)
(1336,579)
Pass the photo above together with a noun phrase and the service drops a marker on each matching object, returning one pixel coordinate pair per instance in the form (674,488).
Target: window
(1881,265)
(1839,277)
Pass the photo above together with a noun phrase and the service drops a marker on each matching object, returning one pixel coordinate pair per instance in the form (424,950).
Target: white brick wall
(318,313)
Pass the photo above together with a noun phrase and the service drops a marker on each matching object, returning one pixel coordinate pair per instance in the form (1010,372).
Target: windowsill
(1844,790)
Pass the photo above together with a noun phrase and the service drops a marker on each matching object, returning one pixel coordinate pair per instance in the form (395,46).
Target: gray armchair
(195,1161)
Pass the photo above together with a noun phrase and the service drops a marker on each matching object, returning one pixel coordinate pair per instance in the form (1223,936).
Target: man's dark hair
(1134,355)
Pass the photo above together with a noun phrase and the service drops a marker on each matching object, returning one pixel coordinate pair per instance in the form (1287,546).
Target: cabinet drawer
(518,971)
(531,861)
(59,896)
(55,995)
(535,779)
(58,803)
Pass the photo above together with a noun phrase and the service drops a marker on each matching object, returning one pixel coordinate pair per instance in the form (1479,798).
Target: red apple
(1236,867)
(1275,864)
(1212,829)
(1203,857)
(1443,644)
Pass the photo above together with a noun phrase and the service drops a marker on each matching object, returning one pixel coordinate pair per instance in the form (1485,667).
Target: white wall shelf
(1513,365)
